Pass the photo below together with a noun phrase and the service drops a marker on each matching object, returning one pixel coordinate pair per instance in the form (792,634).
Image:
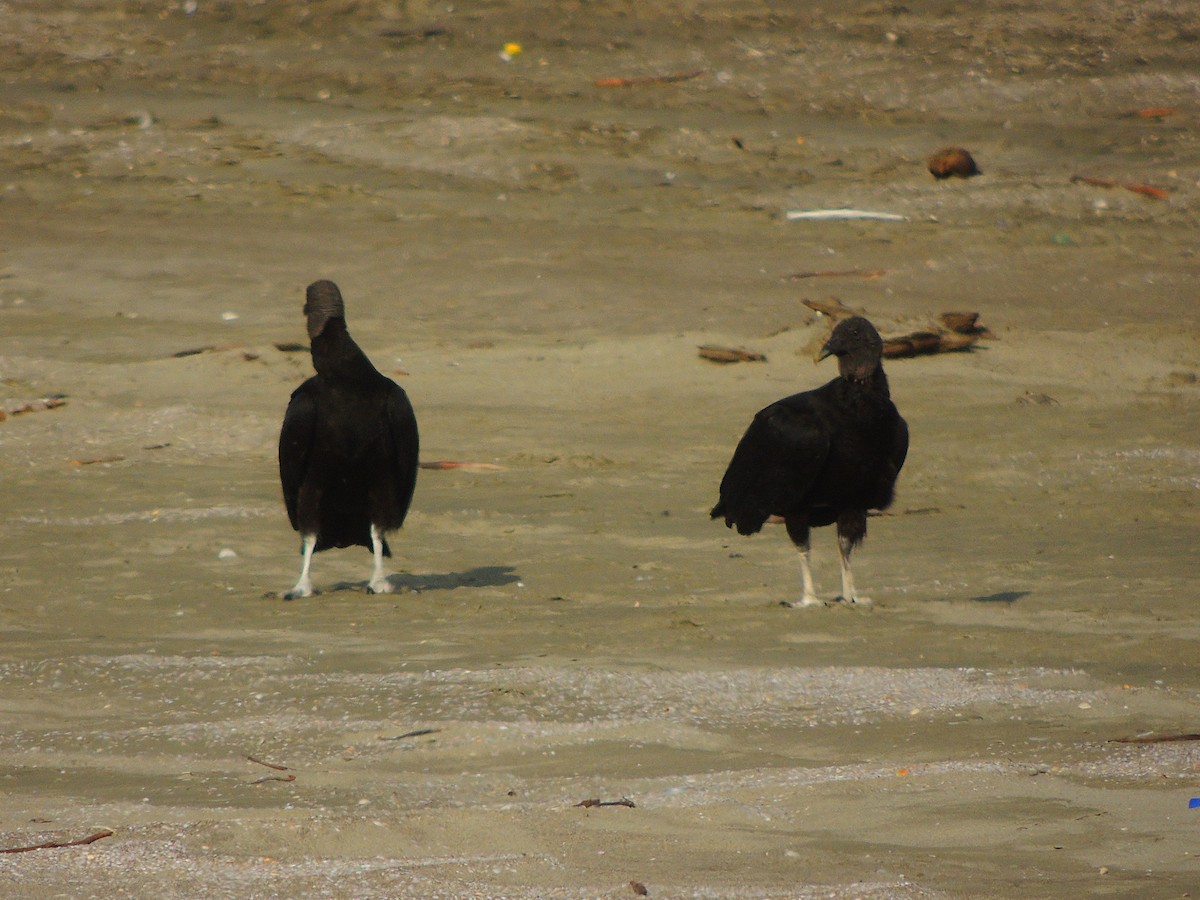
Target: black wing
(295,444)
(774,466)
(405,447)
(899,445)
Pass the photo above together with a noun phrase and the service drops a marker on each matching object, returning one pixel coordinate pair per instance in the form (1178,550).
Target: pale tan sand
(541,258)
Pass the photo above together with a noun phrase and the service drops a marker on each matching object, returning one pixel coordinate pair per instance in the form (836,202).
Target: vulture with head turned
(822,457)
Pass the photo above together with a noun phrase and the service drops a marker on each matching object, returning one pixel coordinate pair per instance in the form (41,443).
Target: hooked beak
(830,349)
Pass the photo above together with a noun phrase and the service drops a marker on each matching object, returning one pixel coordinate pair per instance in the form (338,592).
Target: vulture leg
(851,529)
(797,530)
(379,583)
(303,586)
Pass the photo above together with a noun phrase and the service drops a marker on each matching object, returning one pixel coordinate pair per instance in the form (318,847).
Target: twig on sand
(651,79)
(207,348)
(266,778)
(718,354)
(1145,190)
(624,801)
(275,766)
(869,274)
(1156,738)
(1151,112)
(420,732)
(91,461)
(52,845)
(45,403)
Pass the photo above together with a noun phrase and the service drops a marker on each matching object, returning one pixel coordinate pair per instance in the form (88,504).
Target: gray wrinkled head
(858,347)
(322,302)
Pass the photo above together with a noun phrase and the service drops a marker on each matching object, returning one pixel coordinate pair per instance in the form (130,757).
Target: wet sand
(536,259)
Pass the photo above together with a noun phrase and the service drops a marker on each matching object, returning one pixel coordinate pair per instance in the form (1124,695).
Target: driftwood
(956,331)
(925,343)
(964,323)
(718,354)
(36,406)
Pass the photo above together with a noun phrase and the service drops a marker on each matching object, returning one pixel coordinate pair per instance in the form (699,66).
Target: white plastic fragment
(819,214)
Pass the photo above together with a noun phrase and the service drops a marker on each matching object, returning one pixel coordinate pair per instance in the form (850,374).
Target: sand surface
(535,259)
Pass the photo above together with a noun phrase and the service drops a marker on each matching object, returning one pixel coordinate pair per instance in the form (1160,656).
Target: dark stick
(51,845)
(267,764)
(266,778)
(1156,739)
(420,732)
(624,801)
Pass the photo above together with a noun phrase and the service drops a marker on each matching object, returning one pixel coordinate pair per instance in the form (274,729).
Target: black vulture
(348,447)
(821,457)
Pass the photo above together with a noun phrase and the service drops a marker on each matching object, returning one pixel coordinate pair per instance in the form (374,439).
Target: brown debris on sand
(624,801)
(52,845)
(41,405)
(952,161)
(1146,190)
(1156,738)
(718,354)
(869,274)
(964,323)
(957,331)
(926,343)
(670,78)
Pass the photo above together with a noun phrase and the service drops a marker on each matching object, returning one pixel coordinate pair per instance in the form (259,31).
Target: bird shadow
(1007,597)
(480,576)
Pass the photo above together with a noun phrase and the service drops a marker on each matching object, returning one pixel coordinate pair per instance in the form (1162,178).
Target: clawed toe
(855,601)
(802,602)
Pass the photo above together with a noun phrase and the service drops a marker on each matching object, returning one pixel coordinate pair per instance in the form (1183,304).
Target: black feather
(348,446)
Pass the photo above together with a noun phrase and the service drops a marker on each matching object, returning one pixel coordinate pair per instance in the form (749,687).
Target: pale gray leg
(848,594)
(303,586)
(379,583)
(810,596)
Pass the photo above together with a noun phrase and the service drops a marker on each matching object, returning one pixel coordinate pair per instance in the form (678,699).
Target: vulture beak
(830,349)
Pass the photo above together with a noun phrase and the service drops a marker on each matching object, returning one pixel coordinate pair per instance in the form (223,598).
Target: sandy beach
(534,248)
